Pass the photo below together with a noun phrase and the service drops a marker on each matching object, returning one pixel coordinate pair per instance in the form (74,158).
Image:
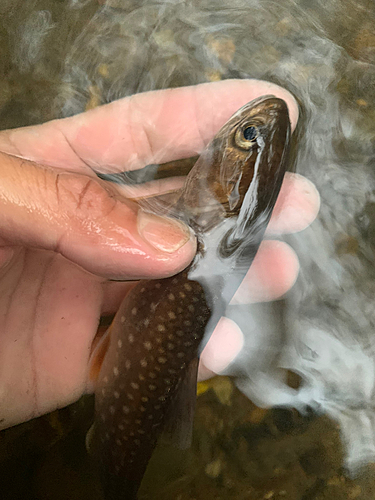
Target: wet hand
(63,232)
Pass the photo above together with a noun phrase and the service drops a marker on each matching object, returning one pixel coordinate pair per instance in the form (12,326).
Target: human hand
(63,232)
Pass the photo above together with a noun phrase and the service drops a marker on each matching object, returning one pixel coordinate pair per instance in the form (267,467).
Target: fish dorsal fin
(178,427)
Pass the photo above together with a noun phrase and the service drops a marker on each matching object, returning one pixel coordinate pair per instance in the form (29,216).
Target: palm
(50,310)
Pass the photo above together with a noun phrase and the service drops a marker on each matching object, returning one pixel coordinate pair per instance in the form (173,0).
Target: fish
(148,359)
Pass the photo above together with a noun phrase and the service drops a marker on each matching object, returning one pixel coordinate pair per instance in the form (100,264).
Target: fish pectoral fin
(178,427)
(97,357)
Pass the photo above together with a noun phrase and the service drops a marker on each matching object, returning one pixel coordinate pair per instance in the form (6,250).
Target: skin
(63,233)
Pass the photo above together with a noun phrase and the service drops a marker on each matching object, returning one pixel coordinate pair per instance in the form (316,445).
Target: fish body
(154,337)
(162,325)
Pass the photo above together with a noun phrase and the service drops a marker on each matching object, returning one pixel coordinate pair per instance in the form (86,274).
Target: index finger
(152,127)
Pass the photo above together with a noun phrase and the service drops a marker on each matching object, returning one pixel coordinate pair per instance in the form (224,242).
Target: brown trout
(162,325)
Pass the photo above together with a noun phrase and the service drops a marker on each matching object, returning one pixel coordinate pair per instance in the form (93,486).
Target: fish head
(242,167)
(250,147)
(229,194)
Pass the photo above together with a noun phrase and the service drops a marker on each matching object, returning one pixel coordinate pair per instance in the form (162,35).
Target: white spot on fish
(171,371)
(130,338)
(157,285)
(134,311)
(122,319)
(105,380)
(187,322)
(188,287)
(137,442)
(161,350)
(175,281)
(157,407)
(140,431)
(151,416)
(118,442)
(115,371)
(171,296)
(146,322)
(170,346)
(130,396)
(182,295)
(126,409)
(142,289)
(167,381)
(195,299)
(180,333)
(188,344)
(119,343)
(161,328)
(152,387)
(128,364)
(152,375)
(144,399)
(162,360)
(137,421)
(142,408)
(121,427)
(103,392)
(141,377)
(143,362)
(134,385)
(180,354)
(147,345)
(159,340)
(171,315)
(112,410)
(116,394)
(191,308)
(153,306)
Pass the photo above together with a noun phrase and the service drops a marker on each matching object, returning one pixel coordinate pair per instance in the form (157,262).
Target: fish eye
(245,136)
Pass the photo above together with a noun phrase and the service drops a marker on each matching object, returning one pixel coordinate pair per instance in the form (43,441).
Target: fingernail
(164,234)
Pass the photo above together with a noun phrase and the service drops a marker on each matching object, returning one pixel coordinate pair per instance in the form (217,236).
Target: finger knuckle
(84,197)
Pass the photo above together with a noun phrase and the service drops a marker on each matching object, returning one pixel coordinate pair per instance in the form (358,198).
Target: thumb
(87,221)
